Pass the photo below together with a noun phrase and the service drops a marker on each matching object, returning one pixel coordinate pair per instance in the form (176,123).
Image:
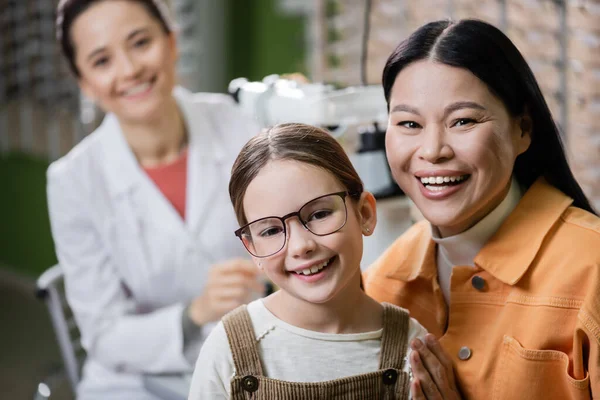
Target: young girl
(303,213)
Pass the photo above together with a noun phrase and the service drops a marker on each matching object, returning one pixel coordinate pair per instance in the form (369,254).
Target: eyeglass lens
(321,216)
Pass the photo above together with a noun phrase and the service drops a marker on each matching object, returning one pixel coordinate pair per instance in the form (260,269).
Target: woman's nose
(129,67)
(300,240)
(434,147)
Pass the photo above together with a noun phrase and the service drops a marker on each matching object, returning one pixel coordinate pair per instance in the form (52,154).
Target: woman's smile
(439,185)
(451,144)
(140,90)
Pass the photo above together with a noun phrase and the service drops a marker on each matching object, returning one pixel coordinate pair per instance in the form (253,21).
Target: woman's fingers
(436,349)
(236,265)
(416,392)
(422,376)
(235,273)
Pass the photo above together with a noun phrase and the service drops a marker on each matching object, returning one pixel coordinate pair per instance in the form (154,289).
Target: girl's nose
(300,240)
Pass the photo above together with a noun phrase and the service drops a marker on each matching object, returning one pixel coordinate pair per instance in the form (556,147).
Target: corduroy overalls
(389,382)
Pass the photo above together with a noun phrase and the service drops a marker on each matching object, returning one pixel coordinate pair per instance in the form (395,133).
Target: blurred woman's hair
(68,11)
(490,55)
(295,142)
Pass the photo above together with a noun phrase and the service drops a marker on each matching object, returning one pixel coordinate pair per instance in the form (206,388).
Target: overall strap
(394,340)
(242,342)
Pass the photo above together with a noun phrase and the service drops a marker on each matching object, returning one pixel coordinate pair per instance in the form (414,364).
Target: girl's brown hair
(296,142)
(68,11)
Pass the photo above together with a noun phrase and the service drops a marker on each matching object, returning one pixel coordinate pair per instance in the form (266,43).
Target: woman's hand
(433,375)
(230,284)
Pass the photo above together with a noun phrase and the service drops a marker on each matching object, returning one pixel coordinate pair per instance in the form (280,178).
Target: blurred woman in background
(505,271)
(139,210)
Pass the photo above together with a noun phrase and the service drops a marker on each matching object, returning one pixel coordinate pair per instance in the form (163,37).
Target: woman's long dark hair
(485,51)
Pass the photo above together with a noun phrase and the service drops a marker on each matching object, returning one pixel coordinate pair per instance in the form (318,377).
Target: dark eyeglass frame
(343,195)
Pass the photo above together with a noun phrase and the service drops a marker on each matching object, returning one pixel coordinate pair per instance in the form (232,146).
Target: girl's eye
(272,231)
(321,214)
(464,121)
(409,124)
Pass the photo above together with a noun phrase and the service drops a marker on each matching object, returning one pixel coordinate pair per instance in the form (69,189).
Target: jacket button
(250,383)
(390,376)
(464,353)
(478,283)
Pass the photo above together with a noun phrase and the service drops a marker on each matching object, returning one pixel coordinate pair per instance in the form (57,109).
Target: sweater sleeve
(214,368)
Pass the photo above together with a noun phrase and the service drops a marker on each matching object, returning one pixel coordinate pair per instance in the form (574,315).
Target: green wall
(25,242)
(260,42)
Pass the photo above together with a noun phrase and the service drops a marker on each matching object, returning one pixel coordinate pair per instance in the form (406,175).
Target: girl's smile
(311,267)
(315,271)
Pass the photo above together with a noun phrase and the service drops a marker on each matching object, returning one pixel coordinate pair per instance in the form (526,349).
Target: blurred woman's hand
(230,284)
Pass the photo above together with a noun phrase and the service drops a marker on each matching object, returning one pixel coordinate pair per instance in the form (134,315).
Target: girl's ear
(367,213)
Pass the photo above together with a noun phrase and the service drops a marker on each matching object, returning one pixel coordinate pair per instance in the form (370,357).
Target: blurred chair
(50,289)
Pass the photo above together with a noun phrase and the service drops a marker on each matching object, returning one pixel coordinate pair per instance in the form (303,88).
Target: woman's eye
(464,121)
(142,42)
(271,231)
(102,61)
(409,124)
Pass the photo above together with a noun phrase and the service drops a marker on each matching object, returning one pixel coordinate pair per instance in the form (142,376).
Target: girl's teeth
(314,269)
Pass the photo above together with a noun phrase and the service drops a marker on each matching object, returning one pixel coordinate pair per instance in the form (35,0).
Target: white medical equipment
(277,100)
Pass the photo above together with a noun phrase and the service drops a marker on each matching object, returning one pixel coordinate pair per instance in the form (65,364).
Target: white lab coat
(130,261)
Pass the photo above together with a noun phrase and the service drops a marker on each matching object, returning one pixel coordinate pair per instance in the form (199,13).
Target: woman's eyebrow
(462,104)
(95,53)
(136,32)
(131,35)
(406,108)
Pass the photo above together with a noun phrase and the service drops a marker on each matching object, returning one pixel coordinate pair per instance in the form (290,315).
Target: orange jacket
(527,317)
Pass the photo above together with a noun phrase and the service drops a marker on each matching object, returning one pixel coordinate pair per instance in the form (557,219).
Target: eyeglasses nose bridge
(287,219)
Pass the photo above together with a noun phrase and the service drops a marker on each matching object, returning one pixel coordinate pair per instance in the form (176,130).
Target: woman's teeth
(314,269)
(438,180)
(138,89)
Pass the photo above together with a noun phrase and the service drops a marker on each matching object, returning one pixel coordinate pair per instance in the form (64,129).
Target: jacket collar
(509,252)
(125,172)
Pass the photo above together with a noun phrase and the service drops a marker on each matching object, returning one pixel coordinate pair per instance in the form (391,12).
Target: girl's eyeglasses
(322,216)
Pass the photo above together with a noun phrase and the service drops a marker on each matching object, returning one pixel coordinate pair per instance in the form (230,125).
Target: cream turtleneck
(461,249)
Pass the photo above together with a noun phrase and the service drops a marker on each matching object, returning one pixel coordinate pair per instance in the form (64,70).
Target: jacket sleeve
(113,330)
(587,341)
(214,368)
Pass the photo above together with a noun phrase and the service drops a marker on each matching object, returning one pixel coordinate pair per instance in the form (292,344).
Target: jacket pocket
(536,374)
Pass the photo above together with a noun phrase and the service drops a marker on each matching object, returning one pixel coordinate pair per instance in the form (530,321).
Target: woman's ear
(367,213)
(525,132)
(174,46)
(86,89)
